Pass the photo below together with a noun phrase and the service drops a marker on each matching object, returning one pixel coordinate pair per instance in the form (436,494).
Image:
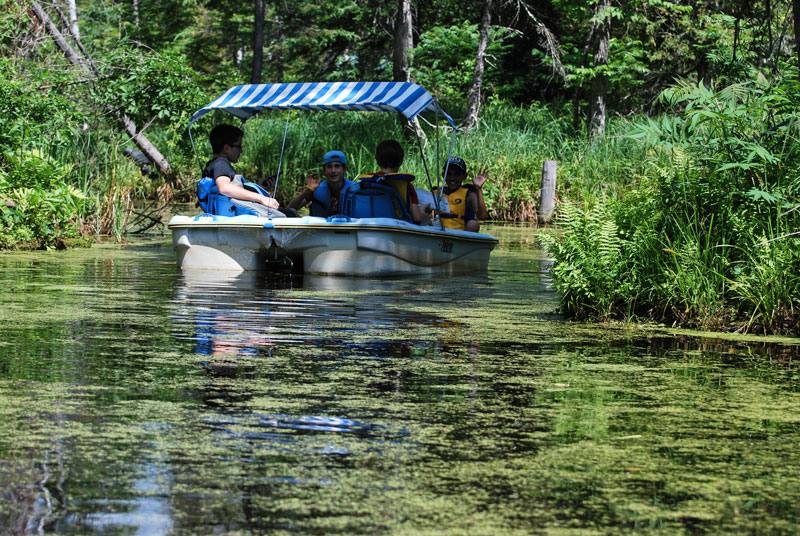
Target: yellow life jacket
(458,206)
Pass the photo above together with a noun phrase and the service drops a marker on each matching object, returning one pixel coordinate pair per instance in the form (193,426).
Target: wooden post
(547,203)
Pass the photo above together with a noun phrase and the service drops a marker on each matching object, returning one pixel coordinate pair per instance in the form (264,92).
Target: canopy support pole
(194,148)
(427,173)
(280,161)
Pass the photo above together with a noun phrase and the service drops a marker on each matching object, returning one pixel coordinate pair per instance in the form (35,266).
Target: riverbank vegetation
(707,238)
(673,124)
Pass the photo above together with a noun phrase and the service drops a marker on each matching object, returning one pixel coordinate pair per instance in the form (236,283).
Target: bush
(39,210)
(590,272)
(708,239)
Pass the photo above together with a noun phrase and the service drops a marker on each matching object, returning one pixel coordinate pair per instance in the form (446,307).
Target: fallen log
(87,65)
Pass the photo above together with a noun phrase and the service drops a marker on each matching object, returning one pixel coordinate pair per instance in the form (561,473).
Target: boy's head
(224,134)
(334,156)
(456,173)
(334,166)
(389,154)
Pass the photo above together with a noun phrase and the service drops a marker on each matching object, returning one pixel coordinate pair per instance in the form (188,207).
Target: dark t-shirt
(219,167)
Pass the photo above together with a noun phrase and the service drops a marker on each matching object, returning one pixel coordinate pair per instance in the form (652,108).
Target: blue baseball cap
(334,156)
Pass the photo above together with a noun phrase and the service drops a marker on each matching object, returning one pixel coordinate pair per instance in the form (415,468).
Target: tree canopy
(536,51)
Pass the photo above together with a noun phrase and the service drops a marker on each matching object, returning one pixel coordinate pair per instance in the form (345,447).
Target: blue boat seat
(211,201)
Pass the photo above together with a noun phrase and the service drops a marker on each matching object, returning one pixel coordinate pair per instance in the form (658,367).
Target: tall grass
(511,144)
(767,285)
(705,231)
(102,172)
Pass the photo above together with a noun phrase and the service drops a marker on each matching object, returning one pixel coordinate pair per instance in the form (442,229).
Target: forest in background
(674,124)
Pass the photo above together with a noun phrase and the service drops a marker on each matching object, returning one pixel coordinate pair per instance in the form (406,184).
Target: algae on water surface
(135,398)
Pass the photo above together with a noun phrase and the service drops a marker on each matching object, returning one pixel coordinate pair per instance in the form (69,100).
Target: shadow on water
(140,400)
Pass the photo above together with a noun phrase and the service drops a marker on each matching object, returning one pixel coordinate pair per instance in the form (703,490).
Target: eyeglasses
(237,146)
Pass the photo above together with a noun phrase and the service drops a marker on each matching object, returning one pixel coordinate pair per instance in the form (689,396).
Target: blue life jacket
(213,202)
(321,202)
(379,196)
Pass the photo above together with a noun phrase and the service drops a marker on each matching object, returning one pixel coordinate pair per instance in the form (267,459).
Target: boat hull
(336,246)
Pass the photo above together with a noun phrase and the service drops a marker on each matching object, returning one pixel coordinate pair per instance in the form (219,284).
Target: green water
(138,400)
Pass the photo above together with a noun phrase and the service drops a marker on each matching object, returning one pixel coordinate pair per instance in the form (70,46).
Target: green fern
(589,265)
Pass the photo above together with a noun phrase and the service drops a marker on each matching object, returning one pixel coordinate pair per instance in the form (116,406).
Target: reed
(511,144)
(705,222)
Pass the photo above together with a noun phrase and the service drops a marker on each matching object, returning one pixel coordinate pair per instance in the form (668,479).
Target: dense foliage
(709,237)
(681,209)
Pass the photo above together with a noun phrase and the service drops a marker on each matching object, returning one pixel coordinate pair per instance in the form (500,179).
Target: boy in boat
(389,155)
(465,200)
(226,145)
(326,196)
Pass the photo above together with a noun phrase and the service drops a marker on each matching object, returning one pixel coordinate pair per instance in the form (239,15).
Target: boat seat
(211,201)
(374,200)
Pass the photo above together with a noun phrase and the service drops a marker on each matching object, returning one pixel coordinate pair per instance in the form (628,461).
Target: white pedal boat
(333,246)
(339,245)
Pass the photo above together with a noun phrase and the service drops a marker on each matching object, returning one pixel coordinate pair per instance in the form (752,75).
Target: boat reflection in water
(234,316)
(297,367)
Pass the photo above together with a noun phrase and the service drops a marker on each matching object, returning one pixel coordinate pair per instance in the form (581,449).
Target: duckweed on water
(137,398)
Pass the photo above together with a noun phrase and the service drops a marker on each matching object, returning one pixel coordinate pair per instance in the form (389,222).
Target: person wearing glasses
(226,146)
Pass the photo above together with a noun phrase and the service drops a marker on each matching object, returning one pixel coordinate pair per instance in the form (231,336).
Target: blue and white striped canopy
(246,101)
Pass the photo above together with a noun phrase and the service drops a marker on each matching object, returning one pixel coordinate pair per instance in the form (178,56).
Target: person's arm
(227,188)
(305,197)
(418,212)
(478,205)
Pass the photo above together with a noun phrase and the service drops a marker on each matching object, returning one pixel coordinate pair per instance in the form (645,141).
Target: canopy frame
(247,101)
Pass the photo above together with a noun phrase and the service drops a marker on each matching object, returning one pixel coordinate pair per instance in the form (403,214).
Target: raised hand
(480,178)
(312,181)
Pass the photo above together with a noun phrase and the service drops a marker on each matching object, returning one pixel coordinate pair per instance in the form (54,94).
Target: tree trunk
(547,200)
(597,99)
(136,28)
(86,65)
(73,19)
(474,100)
(796,14)
(402,41)
(258,42)
(60,41)
(72,31)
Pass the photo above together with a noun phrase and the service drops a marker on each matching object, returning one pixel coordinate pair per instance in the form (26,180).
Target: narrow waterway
(135,399)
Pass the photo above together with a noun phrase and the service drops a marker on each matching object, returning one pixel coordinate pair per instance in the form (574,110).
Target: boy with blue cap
(325,196)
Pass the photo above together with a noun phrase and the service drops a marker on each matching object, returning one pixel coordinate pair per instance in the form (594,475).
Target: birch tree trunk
(597,99)
(73,19)
(85,64)
(258,42)
(135,8)
(474,100)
